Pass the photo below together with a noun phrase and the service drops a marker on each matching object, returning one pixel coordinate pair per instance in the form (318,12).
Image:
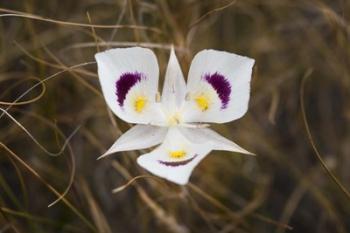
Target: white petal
(129,81)
(138,137)
(178,170)
(212,138)
(218,87)
(174,89)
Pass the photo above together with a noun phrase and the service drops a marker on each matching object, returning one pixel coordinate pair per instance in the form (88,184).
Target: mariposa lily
(217,91)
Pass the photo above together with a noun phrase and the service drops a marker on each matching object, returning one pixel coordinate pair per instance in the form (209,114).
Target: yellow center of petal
(177,154)
(140,103)
(202,102)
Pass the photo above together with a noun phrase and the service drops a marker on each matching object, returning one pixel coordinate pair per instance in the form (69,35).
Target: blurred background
(54,121)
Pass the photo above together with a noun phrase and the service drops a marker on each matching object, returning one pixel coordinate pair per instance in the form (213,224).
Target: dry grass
(54,122)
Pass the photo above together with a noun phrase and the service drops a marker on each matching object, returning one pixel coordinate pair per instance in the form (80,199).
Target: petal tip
(172,48)
(179,182)
(252,154)
(246,152)
(108,152)
(102,156)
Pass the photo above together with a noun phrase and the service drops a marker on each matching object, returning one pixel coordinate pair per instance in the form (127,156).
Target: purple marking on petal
(125,83)
(177,163)
(221,86)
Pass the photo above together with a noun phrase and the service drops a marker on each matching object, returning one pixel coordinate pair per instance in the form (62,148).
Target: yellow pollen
(177,154)
(140,103)
(202,102)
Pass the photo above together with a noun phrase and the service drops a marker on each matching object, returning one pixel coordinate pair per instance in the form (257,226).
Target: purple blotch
(221,86)
(125,83)
(177,163)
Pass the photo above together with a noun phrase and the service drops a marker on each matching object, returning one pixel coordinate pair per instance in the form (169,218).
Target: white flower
(217,91)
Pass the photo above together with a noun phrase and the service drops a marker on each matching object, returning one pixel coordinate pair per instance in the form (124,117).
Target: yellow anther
(202,102)
(140,103)
(174,119)
(158,97)
(177,154)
